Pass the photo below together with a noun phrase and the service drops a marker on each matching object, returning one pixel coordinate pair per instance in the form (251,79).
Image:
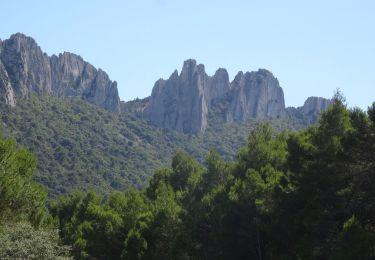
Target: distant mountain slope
(182,102)
(61,108)
(81,146)
(25,69)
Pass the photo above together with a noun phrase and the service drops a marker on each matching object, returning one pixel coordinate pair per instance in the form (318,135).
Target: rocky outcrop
(136,106)
(29,70)
(27,66)
(182,102)
(315,105)
(255,95)
(6,90)
(219,86)
(310,111)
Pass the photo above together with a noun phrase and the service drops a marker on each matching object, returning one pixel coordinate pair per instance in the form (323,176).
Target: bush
(23,241)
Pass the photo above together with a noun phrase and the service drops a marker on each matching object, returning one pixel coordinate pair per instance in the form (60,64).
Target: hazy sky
(312,47)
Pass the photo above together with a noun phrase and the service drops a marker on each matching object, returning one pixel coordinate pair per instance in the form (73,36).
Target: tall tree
(20,197)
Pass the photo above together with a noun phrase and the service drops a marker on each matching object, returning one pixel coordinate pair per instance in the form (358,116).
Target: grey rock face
(6,90)
(255,95)
(219,85)
(30,70)
(27,66)
(182,102)
(71,74)
(103,92)
(310,111)
(315,104)
(136,106)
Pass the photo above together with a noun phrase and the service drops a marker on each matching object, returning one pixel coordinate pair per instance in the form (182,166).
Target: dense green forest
(301,195)
(81,146)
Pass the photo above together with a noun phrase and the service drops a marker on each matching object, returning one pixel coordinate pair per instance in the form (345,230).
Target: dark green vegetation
(302,195)
(26,228)
(81,146)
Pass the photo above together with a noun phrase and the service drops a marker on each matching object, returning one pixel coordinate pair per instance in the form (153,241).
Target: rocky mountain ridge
(183,101)
(309,112)
(26,69)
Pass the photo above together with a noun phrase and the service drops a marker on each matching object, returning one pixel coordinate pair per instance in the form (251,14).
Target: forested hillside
(81,146)
(301,195)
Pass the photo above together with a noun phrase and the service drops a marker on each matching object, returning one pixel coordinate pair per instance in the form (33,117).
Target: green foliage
(285,196)
(90,227)
(371,112)
(25,224)
(186,172)
(20,197)
(23,241)
(302,195)
(217,173)
(81,147)
(263,148)
(135,245)
(355,242)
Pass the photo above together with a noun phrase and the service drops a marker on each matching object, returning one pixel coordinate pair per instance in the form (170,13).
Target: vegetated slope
(81,146)
(303,195)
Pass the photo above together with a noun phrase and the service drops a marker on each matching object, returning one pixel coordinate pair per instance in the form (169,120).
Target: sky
(312,47)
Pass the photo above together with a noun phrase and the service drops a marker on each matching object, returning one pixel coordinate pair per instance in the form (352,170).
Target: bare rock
(255,95)
(182,102)
(6,90)
(30,71)
(310,111)
(136,106)
(27,66)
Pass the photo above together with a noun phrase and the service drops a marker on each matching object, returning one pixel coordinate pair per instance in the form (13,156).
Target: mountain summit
(183,101)
(25,69)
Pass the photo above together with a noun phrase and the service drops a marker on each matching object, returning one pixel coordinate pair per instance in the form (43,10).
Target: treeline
(303,195)
(80,146)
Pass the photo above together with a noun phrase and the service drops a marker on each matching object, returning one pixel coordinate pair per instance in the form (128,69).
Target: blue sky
(312,47)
